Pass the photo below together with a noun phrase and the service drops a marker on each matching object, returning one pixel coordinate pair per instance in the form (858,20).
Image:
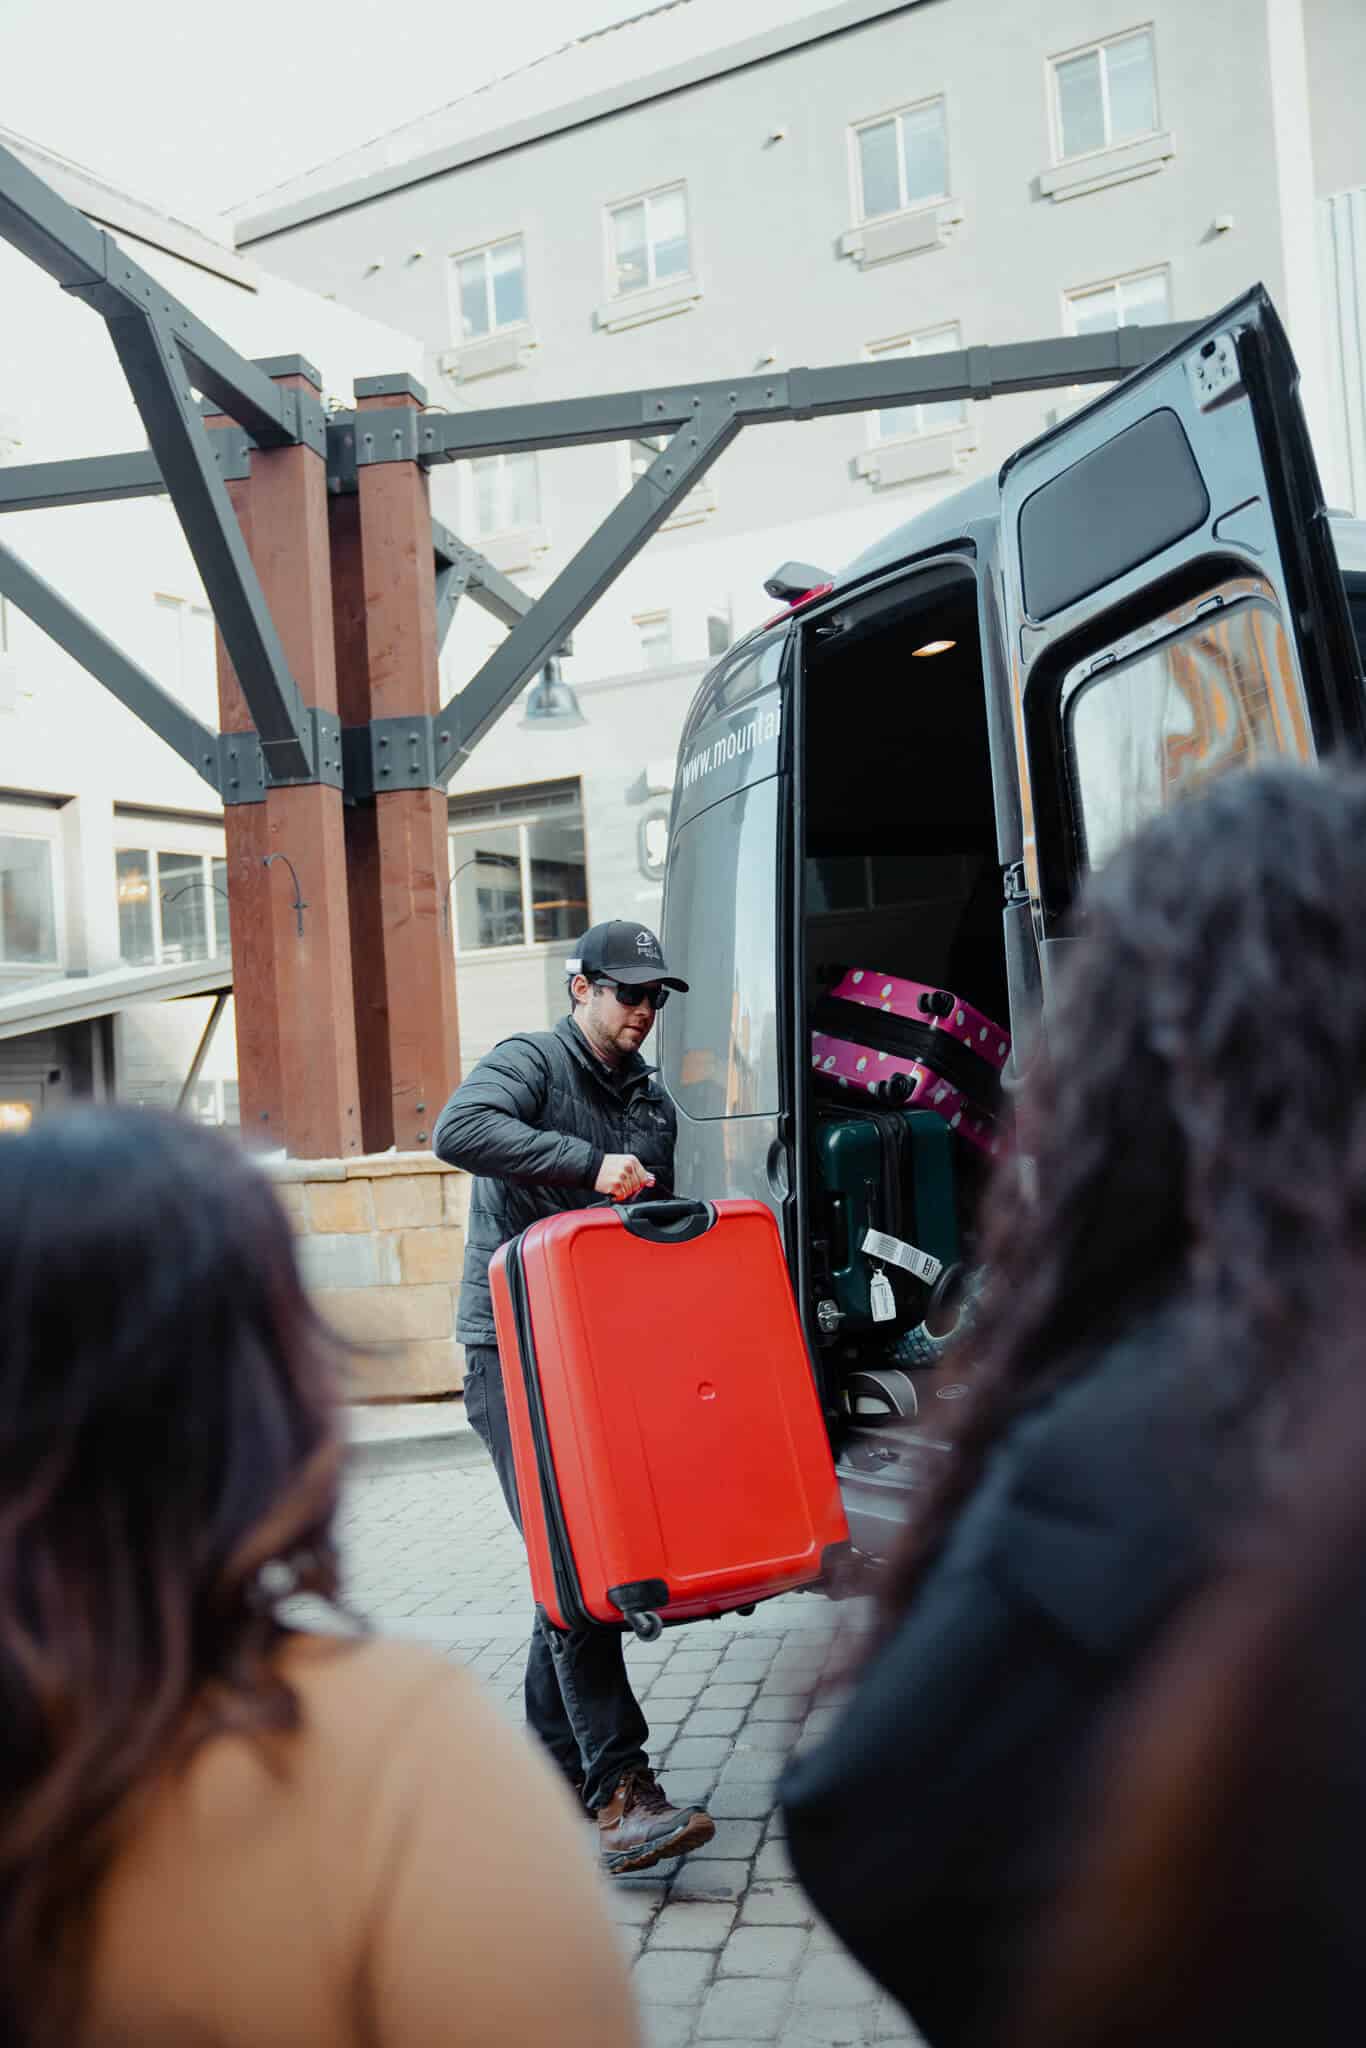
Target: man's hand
(621,1175)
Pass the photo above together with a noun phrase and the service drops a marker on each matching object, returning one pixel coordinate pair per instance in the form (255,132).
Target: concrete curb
(431,1453)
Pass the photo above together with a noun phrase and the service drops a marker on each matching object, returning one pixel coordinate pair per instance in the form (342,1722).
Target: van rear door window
(1217,696)
(719,1043)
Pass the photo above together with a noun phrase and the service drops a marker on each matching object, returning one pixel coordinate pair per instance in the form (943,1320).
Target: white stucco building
(709,190)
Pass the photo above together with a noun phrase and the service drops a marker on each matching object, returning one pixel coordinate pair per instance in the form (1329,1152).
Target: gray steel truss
(178,369)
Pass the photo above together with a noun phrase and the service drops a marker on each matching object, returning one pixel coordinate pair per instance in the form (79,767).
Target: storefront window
(518,869)
(28,918)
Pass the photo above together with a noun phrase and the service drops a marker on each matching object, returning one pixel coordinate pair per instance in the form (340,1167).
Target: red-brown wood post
(296,1034)
(384,596)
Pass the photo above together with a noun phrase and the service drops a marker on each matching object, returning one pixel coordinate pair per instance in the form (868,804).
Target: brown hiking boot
(638,1827)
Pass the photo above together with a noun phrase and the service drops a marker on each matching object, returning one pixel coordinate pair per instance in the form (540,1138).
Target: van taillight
(807,597)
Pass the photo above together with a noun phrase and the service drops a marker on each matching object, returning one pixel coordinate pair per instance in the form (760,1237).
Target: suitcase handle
(672,1221)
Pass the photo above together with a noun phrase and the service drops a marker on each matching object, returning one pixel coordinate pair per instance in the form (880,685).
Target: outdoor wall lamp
(298,906)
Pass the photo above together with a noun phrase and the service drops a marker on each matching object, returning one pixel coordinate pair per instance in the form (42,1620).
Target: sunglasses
(631,997)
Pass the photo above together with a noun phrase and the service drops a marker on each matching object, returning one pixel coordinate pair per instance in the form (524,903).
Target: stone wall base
(380,1243)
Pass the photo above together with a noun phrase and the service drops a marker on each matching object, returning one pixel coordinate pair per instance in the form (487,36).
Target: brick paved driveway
(726,1947)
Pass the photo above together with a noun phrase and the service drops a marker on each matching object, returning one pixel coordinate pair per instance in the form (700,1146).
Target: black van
(910,769)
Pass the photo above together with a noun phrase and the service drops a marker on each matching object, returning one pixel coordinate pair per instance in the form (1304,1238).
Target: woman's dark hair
(169,1464)
(1219,1896)
(1196,1127)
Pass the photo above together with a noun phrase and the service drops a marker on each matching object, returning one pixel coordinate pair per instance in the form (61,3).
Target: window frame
(861,216)
(1115,283)
(546,812)
(1100,44)
(874,351)
(501,457)
(157,837)
(682,279)
(186,685)
(22,821)
(659,616)
(461,340)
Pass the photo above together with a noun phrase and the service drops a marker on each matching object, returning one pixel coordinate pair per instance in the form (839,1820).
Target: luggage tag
(882,1299)
(909,1257)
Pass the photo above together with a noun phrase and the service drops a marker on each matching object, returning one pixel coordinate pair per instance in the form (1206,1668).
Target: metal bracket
(359,440)
(244,775)
(391,753)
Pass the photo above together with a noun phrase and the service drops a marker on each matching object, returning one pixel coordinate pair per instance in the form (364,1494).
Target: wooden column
(296,1035)
(384,598)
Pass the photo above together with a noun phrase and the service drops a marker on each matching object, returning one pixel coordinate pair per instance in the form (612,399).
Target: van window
(1218,696)
(719,1043)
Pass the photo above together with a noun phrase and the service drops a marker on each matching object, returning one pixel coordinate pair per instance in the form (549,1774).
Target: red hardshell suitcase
(672,1459)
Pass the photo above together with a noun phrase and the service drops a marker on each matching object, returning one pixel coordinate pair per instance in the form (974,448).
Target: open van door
(1172,599)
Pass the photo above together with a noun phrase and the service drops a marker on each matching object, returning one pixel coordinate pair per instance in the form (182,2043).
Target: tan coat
(403,1873)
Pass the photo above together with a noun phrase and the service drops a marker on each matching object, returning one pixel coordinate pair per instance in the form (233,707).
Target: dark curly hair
(1195,1128)
(169,1465)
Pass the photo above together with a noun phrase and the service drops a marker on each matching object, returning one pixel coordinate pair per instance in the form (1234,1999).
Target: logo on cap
(647,946)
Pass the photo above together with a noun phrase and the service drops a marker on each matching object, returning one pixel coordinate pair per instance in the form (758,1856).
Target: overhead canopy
(46,1005)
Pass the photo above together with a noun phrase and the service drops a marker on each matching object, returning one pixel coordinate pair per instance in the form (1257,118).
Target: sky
(197,108)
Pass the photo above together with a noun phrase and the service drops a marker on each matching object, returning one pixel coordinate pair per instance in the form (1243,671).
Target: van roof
(949,517)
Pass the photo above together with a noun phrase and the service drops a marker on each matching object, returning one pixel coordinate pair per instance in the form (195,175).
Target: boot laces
(645,1793)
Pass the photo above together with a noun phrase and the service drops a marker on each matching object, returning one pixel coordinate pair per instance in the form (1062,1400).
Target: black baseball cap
(624,952)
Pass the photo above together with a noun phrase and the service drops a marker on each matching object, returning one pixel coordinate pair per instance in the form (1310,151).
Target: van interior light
(933,647)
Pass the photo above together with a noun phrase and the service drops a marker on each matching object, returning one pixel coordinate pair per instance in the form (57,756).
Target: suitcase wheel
(647,1625)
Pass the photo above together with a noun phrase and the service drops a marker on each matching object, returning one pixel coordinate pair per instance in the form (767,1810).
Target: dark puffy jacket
(533,1124)
(936,1823)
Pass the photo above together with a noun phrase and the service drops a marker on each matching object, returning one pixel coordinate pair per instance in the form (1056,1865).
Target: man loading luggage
(553,1120)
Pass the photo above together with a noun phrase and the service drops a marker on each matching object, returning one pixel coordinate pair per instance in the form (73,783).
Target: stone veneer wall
(380,1243)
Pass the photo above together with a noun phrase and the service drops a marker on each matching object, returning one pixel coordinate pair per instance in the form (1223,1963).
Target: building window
(1140,301)
(656,634)
(28,905)
(506,494)
(172,906)
(215,1102)
(895,422)
(649,241)
(903,160)
(185,655)
(490,289)
(518,872)
(1105,95)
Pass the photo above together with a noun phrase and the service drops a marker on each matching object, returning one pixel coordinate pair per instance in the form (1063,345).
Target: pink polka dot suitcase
(918,1046)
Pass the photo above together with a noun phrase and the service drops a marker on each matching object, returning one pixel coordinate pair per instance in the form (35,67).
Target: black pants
(578,1698)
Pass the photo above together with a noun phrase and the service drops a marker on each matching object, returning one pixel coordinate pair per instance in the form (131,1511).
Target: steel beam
(91,266)
(463,721)
(86,644)
(801,394)
(158,380)
(460,568)
(105,479)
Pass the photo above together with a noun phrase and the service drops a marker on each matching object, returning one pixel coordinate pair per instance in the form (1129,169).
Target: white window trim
(20,821)
(663,615)
(896,345)
(1112,163)
(1109,145)
(912,230)
(908,206)
(520,821)
(165,839)
(1101,284)
(504,347)
(509,548)
(655,300)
